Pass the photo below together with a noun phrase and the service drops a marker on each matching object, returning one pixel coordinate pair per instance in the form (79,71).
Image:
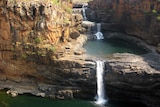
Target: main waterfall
(100,85)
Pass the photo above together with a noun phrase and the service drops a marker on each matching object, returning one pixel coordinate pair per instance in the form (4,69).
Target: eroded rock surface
(41,53)
(135,17)
(132,78)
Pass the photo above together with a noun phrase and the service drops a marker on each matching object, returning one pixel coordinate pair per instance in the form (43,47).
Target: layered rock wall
(135,17)
(34,36)
(33,33)
(36,27)
(131,78)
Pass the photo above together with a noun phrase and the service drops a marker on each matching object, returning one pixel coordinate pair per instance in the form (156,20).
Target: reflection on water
(110,46)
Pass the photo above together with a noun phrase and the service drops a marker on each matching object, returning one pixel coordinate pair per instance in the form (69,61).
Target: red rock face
(135,17)
(33,30)
(36,24)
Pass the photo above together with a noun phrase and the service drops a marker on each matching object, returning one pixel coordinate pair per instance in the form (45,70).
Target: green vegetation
(81,1)
(52,48)
(55,1)
(158,18)
(66,21)
(33,53)
(154,11)
(41,53)
(24,56)
(146,12)
(38,40)
(68,9)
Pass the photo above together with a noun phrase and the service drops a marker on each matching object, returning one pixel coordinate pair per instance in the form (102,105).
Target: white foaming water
(99,34)
(84,12)
(100,85)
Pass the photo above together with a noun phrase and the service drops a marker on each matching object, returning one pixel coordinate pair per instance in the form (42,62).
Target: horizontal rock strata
(138,18)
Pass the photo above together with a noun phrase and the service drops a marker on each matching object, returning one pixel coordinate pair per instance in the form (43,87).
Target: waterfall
(84,12)
(98,27)
(99,34)
(100,85)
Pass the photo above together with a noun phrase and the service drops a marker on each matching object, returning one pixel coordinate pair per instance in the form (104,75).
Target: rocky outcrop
(41,53)
(37,28)
(65,78)
(135,17)
(131,78)
(127,77)
(35,35)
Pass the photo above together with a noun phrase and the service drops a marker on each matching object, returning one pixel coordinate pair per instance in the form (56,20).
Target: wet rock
(40,94)
(12,93)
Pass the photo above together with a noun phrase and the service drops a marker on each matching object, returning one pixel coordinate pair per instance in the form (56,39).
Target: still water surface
(110,46)
(32,101)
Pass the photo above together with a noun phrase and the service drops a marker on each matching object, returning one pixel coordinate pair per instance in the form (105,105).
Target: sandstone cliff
(131,78)
(41,53)
(135,17)
(36,28)
(34,35)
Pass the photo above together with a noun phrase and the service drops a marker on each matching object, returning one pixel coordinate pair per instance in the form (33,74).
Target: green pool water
(110,46)
(32,101)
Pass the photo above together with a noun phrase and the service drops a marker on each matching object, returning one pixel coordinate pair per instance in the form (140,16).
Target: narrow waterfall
(84,12)
(99,34)
(98,27)
(100,85)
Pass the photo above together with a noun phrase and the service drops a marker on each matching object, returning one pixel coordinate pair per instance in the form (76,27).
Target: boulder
(12,93)
(74,34)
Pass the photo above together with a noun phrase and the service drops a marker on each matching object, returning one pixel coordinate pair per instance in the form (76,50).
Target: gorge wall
(41,51)
(35,35)
(140,18)
(131,78)
(37,27)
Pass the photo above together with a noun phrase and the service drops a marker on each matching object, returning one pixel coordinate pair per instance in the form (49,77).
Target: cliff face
(41,54)
(34,36)
(36,27)
(131,78)
(135,17)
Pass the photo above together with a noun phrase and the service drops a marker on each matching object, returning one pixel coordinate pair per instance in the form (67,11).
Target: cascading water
(84,12)
(99,34)
(100,85)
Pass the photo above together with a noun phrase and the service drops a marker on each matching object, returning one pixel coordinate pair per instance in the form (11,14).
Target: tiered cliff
(34,36)
(37,28)
(41,50)
(140,18)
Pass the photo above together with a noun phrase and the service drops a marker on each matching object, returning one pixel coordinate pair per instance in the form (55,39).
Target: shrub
(52,48)
(55,1)
(24,56)
(158,18)
(38,40)
(154,11)
(68,9)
